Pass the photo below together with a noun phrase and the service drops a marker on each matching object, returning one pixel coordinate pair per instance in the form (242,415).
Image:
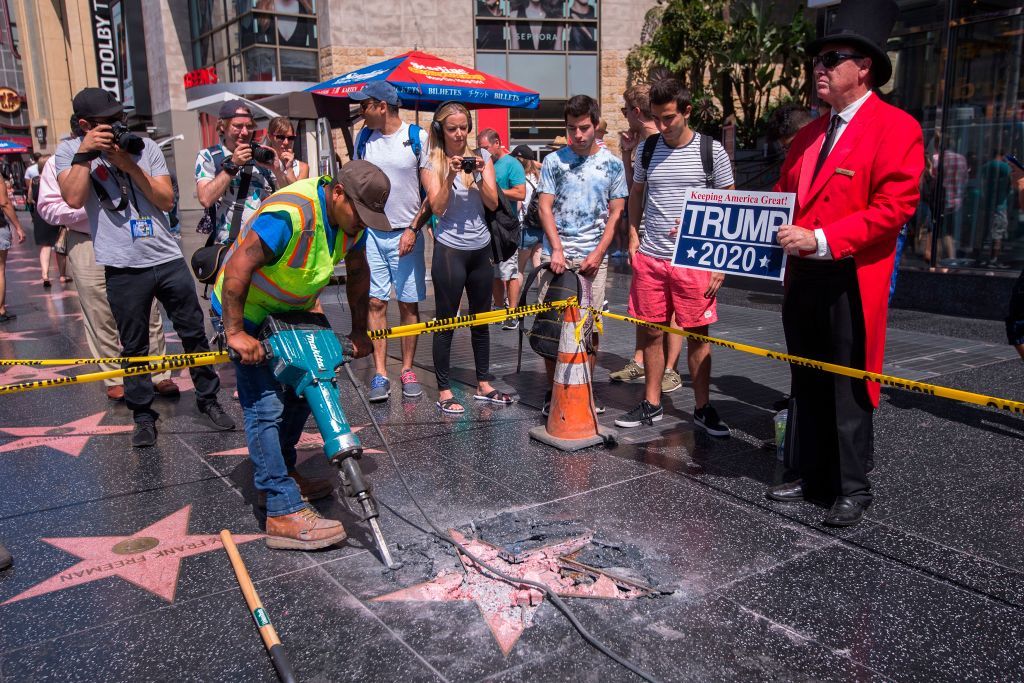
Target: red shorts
(660,290)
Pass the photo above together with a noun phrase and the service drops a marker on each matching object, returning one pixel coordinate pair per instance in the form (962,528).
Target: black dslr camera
(127,140)
(468,164)
(262,155)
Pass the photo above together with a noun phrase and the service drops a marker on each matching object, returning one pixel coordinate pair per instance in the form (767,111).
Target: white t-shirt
(31,172)
(394,155)
(671,172)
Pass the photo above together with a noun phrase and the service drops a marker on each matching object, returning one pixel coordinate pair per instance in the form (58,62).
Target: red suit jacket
(863,194)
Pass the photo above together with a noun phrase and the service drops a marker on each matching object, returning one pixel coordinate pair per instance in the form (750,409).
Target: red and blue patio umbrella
(424,80)
(8,146)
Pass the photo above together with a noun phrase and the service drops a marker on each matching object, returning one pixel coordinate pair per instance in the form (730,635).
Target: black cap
(95,103)
(524,152)
(866,25)
(229,109)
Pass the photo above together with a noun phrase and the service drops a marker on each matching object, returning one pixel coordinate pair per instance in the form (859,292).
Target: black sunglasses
(832,58)
(285,138)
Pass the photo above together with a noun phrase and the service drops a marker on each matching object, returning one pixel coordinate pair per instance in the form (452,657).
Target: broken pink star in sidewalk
(26,373)
(150,558)
(509,608)
(70,437)
(17,336)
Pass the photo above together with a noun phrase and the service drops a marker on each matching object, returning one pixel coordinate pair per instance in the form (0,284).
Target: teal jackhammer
(304,354)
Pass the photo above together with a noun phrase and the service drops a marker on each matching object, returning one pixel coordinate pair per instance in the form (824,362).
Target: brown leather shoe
(115,393)
(309,488)
(303,530)
(167,388)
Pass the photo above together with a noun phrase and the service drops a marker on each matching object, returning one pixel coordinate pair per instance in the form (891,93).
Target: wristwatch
(229,167)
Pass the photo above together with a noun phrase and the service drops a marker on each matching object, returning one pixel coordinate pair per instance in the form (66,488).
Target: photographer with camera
(459,187)
(122,182)
(236,168)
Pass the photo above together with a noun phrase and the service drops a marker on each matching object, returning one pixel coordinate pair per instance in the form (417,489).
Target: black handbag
(207,260)
(505,228)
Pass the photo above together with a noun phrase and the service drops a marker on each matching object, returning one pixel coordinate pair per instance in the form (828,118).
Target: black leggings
(453,271)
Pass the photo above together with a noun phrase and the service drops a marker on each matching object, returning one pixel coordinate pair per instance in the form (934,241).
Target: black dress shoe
(790,492)
(845,512)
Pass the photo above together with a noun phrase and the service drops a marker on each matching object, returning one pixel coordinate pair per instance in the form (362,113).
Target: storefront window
(256,39)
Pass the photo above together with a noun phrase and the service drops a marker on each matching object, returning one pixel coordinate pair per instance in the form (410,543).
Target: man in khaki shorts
(583,191)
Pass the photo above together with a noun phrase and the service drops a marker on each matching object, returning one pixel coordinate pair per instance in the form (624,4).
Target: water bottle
(781,418)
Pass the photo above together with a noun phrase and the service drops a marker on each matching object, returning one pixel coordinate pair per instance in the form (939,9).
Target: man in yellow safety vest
(284,256)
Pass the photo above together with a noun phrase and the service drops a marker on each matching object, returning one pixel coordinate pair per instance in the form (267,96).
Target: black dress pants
(130,292)
(823,320)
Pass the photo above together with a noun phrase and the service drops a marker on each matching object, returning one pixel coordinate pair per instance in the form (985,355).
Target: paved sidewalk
(119,574)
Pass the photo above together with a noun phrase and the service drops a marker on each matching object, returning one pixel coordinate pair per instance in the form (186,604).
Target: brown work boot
(167,388)
(303,530)
(115,392)
(309,489)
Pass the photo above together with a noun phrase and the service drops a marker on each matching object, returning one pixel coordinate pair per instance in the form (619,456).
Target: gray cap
(368,188)
(382,91)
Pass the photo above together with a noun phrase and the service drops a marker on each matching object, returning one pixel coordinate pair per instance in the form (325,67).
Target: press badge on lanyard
(142,228)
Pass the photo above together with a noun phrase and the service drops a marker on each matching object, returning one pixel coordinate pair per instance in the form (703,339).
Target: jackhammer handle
(267,351)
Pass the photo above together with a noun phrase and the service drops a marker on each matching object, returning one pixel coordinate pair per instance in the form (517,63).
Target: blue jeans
(274,418)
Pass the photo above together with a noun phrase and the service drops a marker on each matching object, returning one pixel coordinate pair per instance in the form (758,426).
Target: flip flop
(446,406)
(494,396)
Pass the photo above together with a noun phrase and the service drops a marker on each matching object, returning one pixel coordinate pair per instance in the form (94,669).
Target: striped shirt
(671,172)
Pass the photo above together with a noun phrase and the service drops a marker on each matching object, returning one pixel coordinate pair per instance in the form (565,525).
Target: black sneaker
(546,410)
(220,419)
(645,413)
(707,417)
(5,558)
(510,324)
(144,434)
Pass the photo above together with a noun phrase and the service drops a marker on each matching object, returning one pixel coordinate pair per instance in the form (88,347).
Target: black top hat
(866,25)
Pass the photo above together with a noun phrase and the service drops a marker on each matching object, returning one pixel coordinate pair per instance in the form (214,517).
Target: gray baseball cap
(382,91)
(368,188)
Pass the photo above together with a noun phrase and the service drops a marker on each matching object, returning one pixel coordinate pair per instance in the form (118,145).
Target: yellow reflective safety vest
(293,282)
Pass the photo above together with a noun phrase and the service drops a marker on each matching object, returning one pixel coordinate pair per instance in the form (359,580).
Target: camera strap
(238,208)
(101,192)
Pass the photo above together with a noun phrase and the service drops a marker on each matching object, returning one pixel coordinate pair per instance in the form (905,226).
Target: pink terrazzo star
(24,373)
(310,446)
(17,336)
(62,294)
(69,438)
(150,558)
(509,609)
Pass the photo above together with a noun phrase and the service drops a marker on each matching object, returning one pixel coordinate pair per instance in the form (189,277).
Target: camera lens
(262,155)
(468,164)
(127,140)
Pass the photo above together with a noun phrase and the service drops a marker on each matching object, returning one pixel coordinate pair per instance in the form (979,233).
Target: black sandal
(494,396)
(446,406)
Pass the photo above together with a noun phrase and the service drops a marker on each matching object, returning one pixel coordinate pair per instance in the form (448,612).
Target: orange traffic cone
(572,422)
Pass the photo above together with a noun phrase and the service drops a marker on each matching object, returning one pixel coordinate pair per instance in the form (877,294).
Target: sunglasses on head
(832,58)
(285,138)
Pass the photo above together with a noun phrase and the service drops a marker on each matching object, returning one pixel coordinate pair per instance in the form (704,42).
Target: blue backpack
(414,141)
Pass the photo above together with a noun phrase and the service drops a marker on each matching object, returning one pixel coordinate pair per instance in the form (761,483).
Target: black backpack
(707,157)
(547,326)
(505,229)
(531,219)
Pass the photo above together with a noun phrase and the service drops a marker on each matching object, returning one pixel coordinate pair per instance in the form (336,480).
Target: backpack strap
(364,136)
(217,152)
(530,279)
(650,144)
(414,141)
(707,160)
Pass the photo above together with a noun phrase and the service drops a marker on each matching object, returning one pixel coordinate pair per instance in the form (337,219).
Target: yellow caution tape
(175,364)
(186,360)
(884,380)
(47,362)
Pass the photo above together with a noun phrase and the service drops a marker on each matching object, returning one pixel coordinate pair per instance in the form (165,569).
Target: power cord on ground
(443,536)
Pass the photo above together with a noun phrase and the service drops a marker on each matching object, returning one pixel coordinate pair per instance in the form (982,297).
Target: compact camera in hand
(262,155)
(127,140)
(468,164)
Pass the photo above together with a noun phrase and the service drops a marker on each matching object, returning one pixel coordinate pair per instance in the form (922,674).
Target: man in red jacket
(855,172)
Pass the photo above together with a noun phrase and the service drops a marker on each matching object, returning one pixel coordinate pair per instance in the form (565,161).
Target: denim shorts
(406,274)
(6,237)
(530,237)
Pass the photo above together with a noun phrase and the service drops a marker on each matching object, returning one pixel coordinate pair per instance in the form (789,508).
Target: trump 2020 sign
(734,232)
